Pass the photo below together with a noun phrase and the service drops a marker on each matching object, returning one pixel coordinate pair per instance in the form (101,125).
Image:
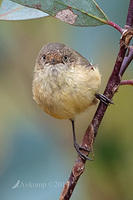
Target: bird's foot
(104,99)
(79,150)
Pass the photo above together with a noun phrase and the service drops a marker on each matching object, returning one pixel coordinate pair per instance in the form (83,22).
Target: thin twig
(129,21)
(126,82)
(127,60)
(91,132)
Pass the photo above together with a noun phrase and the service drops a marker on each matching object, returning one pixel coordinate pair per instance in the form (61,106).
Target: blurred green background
(36,151)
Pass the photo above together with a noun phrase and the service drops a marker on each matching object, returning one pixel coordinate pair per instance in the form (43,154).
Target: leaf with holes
(74,12)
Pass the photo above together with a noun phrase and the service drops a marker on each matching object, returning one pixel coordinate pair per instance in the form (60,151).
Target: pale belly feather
(65,94)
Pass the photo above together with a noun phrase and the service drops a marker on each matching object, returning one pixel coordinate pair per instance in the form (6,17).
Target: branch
(129,21)
(126,82)
(91,132)
(127,60)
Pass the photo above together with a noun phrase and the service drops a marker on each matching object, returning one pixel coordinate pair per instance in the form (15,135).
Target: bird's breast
(63,93)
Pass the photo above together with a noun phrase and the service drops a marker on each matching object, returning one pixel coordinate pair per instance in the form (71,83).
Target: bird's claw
(104,99)
(79,151)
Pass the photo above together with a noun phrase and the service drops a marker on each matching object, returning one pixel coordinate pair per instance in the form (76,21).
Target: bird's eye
(44,57)
(65,58)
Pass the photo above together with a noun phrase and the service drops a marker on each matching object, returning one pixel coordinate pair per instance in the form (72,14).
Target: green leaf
(13,11)
(74,12)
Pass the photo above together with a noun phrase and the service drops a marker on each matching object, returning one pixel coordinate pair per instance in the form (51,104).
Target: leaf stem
(116,26)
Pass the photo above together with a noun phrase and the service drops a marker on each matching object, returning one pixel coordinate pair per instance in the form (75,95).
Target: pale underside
(65,93)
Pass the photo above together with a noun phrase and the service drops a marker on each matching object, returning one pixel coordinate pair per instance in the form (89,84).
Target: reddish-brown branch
(111,88)
(127,60)
(126,82)
(91,131)
(129,21)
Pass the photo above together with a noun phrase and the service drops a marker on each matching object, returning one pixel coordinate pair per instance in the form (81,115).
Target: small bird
(65,84)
